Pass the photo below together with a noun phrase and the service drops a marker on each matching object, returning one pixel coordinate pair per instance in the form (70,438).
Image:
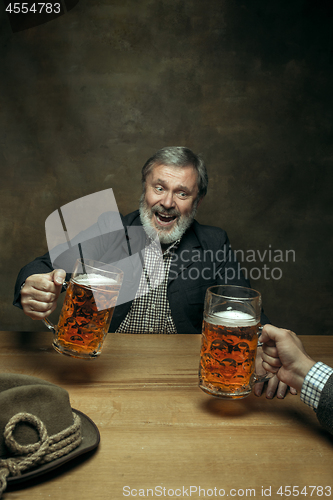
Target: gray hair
(179,157)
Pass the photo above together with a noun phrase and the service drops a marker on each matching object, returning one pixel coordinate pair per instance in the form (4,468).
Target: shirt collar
(171,247)
(157,246)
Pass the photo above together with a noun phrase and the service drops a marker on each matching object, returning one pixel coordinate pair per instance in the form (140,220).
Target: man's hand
(274,386)
(40,293)
(284,355)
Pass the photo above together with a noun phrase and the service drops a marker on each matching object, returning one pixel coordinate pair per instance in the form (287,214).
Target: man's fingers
(270,368)
(38,310)
(48,282)
(275,386)
(273,361)
(268,343)
(38,296)
(59,276)
(42,283)
(33,300)
(271,387)
(281,390)
(258,388)
(270,350)
(38,306)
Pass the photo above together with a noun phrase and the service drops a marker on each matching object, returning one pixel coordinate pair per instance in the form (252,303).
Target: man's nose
(168,201)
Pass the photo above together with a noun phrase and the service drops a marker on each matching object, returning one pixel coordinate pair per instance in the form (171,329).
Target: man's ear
(199,202)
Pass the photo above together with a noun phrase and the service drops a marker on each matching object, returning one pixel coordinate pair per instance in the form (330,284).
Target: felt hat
(39,430)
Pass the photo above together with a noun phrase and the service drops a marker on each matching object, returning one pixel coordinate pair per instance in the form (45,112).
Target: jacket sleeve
(324,410)
(95,242)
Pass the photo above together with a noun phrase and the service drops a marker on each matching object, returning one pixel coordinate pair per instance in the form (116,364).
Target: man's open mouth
(165,219)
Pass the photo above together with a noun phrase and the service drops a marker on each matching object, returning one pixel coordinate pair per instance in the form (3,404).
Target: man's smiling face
(169,202)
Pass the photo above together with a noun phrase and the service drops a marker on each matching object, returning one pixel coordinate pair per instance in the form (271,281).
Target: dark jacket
(324,410)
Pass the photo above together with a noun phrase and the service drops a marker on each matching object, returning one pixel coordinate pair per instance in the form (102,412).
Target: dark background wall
(88,97)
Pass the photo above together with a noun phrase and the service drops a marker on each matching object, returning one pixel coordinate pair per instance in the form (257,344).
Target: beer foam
(232,318)
(94,280)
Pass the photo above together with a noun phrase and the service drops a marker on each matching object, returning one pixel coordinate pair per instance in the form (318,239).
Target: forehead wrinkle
(174,176)
(180,186)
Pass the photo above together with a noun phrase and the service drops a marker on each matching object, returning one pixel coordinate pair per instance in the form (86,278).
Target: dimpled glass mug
(229,343)
(87,310)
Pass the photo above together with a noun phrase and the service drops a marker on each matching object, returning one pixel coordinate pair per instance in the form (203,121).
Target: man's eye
(182,195)
(159,189)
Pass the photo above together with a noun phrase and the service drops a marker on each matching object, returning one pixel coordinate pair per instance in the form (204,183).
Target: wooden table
(159,430)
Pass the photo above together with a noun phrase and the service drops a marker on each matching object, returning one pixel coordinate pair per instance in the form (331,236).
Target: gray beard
(166,237)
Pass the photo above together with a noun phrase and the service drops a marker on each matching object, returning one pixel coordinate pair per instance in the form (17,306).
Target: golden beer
(86,315)
(228,353)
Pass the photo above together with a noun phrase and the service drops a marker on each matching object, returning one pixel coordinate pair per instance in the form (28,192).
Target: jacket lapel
(186,253)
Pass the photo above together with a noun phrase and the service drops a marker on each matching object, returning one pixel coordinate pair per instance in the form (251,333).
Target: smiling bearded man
(174,183)
(167,205)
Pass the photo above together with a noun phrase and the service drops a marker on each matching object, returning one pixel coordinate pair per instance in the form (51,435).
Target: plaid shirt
(150,311)
(314,383)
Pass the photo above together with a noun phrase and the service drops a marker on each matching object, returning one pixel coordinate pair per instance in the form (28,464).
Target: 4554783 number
(311,491)
(36,8)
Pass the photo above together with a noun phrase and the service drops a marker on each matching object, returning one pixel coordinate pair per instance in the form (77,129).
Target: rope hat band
(38,428)
(45,450)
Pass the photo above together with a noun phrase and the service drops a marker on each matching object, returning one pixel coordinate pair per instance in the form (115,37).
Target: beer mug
(87,310)
(229,342)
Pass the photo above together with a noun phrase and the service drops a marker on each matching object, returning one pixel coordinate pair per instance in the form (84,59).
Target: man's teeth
(165,218)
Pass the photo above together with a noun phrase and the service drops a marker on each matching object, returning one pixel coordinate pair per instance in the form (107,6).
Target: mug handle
(49,324)
(268,375)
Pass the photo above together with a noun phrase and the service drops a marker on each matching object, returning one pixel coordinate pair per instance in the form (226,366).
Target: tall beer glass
(229,341)
(87,310)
